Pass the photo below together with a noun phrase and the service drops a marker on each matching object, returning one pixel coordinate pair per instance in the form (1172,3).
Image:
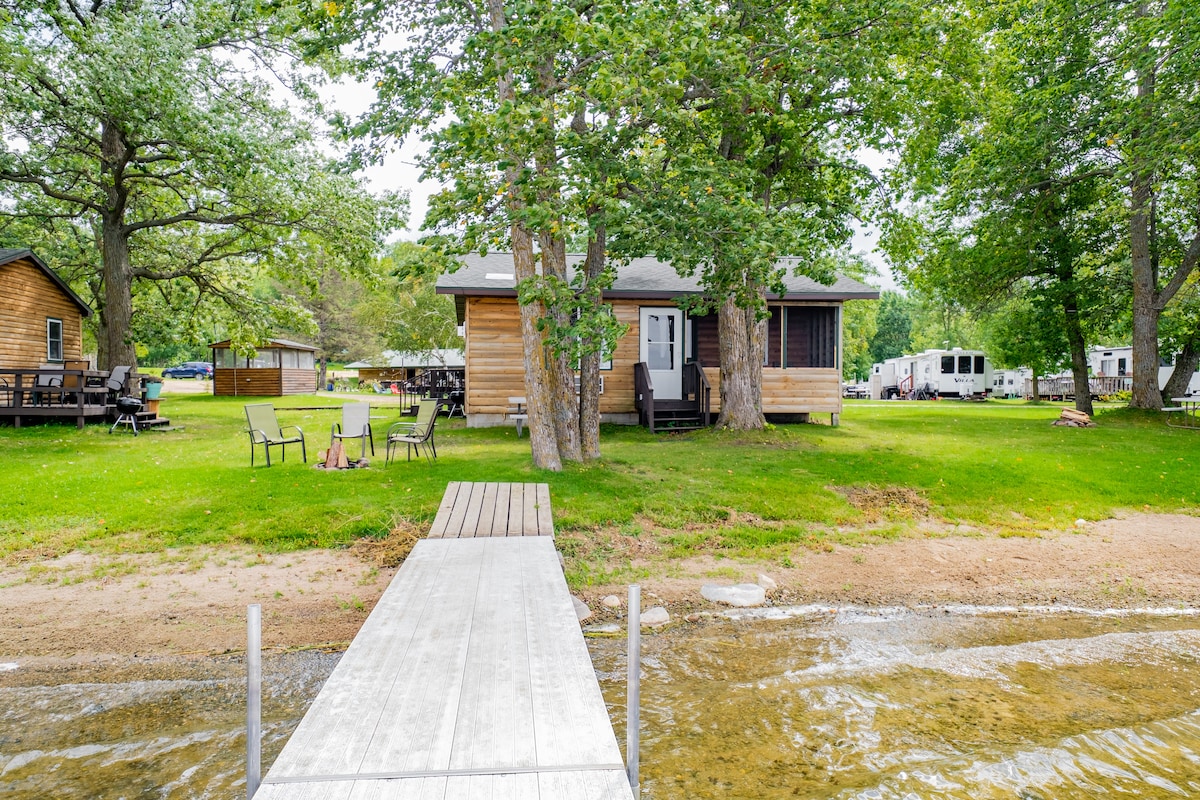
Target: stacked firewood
(1074,419)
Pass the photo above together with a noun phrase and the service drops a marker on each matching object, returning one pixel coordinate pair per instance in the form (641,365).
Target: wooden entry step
(471,510)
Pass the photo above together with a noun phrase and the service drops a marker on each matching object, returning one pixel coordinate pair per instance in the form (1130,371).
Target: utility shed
(278,367)
(41,319)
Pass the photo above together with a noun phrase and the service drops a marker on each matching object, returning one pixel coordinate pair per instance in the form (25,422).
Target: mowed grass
(982,469)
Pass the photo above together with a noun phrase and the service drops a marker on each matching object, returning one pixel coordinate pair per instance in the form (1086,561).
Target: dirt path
(84,608)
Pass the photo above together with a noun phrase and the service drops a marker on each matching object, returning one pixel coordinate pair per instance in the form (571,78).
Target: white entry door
(662,350)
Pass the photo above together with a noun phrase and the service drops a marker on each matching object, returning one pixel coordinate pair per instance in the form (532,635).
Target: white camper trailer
(934,373)
(1010,382)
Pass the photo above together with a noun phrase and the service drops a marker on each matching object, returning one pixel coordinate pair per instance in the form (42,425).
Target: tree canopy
(141,147)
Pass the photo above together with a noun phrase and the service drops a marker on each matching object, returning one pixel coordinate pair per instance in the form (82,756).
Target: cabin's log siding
(790,391)
(263,381)
(495,371)
(29,298)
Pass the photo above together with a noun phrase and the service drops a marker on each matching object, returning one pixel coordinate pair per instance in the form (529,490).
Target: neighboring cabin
(41,319)
(278,368)
(802,374)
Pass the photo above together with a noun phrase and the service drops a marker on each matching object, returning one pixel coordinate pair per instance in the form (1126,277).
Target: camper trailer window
(947,365)
(1121,367)
(978,365)
(964,365)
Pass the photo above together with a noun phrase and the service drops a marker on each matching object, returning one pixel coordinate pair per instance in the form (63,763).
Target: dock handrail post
(633,688)
(253,699)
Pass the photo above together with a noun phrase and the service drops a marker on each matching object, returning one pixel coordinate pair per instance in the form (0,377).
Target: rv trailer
(933,374)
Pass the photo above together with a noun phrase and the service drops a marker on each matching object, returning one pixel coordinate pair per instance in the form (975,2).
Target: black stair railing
(643,394)
(697,389)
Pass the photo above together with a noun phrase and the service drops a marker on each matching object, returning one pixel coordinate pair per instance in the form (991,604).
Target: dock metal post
(253,699)
(633,688)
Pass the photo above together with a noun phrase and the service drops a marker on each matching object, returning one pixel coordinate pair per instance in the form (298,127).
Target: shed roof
(10,254)
(642,278)
(283,344)
(447,357)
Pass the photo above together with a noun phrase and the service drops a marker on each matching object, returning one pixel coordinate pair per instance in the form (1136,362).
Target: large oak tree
(141,136)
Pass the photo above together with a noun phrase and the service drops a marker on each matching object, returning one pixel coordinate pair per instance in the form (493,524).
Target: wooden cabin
(802,374)
(278,368)
(41,319)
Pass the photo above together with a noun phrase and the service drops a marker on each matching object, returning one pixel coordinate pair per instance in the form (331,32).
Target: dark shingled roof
(642,278)
(10,254)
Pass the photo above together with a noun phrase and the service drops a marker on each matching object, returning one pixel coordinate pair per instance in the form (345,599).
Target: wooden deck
(470,678)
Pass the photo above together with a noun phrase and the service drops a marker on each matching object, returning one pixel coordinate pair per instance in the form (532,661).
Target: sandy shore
(87,608)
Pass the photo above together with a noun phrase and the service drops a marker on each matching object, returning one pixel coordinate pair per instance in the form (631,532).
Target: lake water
(794,703)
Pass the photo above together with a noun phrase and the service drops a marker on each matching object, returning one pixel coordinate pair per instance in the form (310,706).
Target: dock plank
(474,508)
(438,529)
(545,521)
(516,509)
(487,510)
(500,518)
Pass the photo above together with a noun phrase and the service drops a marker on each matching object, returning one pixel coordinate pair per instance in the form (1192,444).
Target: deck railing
(40,388)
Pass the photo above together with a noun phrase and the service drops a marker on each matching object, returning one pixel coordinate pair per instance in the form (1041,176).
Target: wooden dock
(469,679)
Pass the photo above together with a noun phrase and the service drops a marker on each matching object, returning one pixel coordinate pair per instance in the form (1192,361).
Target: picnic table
(516,411)
(1188,410)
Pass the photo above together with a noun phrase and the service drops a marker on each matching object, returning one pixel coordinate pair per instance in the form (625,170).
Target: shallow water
(810,703)
(148,729)
(917,705)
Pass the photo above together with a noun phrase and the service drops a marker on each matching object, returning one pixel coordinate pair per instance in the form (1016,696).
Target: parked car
(858,391)
(190,369)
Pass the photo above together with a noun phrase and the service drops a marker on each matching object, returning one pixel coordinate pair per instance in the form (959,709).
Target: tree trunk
(118,348)
(1037,390)
(741,393)
(538,399)
(589,363)
(1185,366)
(1078,347)
(561,365)
(537,392)
(1146,393)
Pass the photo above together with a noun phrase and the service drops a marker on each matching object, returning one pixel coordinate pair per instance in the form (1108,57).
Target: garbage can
(153,388)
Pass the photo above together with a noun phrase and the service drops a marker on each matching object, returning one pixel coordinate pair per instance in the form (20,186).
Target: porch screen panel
(705,346)
(774,352)
(811,333)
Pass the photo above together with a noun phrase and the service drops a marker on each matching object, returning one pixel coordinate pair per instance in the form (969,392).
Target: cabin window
(306,359)
(1122,366)
(978,365)
(964,365)
(54,339)
(947,365)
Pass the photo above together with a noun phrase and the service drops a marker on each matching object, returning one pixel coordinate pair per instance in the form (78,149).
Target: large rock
(581,609)
(767,582)
(655,617)
(743,594)
(611,601)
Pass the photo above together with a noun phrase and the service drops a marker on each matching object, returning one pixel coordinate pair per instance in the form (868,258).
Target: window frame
(51,340)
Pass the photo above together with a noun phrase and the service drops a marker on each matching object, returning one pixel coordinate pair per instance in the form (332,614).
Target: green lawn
(994,468)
